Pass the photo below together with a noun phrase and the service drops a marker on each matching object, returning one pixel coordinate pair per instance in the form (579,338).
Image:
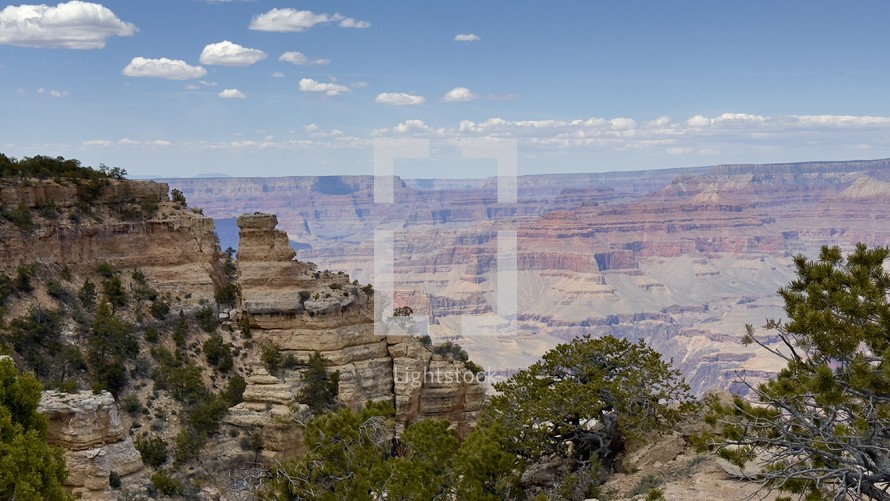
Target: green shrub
(48,209)
(106,270)
(165,484)
(159,308)
(113,292)
(149,205)
(180,330)
(218,352)
(189,443)
(153,450)
(22,281)
(320,389)
(271,357)
(56,291)
(114,480)
(87,295)
(234,393)
(646,485)
(253,442)
(451,349)
(131,404)
(207,319)
(20,216)
(6,288)
(151,335)
(226,295)
(178,197)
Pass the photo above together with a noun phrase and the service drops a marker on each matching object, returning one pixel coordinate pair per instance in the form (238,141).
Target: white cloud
(466,37)
(659,122)
(840,120)
(200,85)
(460,95)
(69,25)
(171,69)
(278,74)
(52,92)
(412,126)
(226,53)
(300,58)
(232,94)
(512,96)
(97,142)
(359,85)
(316,131)
(348,22)
(329,89)
(698,121)
(287,20)
(399,99)
(622,123)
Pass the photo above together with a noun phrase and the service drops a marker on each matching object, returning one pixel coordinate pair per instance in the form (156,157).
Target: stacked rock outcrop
(89,428)
(301,310)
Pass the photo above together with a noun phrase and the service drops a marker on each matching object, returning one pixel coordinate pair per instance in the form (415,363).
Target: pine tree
(29,468)
(822,426)
(320,389)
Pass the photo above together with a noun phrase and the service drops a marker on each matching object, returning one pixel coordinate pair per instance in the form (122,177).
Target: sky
(172,88)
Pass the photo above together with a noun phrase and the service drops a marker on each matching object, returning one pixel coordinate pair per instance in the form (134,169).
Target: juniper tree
(822,425)
(579,404)
(29,468)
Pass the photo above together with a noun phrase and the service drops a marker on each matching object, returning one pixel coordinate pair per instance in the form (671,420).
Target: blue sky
(246,88)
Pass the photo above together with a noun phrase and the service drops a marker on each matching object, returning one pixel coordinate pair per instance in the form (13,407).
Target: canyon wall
(682,258)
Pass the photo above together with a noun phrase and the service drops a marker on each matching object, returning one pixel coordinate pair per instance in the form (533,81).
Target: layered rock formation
(300,311)
(131,224)
(89,428)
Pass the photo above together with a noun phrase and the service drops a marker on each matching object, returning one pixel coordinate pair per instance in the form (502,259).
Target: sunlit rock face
(301,310)
(89,428)
(175,248)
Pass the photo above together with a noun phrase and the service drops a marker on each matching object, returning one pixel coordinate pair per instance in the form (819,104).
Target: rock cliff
(128,224)
(300,310)
(89,428)
(76,245)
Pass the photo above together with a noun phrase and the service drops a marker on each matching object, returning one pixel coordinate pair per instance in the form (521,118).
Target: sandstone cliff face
(89,428)
(177,249)
(300,310)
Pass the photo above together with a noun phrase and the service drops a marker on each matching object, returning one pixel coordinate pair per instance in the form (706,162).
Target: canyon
(682,258)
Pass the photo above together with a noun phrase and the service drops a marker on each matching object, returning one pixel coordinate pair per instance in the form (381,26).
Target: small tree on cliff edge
(823,424)
(577,405)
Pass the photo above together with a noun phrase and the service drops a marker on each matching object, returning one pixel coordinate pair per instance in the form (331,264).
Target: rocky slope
(163,255)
